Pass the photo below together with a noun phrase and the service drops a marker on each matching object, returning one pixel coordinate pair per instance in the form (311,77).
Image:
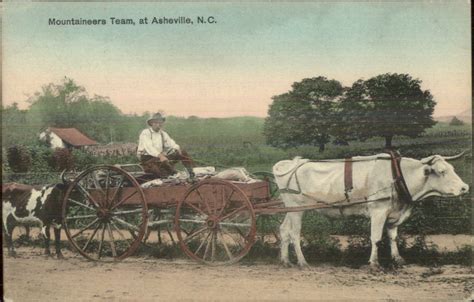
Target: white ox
(372,181)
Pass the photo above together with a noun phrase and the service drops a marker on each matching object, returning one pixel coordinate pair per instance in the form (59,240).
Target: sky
(234,66)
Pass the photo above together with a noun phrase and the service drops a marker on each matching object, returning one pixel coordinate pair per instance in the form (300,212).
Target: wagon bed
(106,213)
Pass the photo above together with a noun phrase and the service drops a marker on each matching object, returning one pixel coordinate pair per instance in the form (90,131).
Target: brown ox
(27,205)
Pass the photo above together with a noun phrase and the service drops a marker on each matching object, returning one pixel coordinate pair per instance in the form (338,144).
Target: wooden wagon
(106,213)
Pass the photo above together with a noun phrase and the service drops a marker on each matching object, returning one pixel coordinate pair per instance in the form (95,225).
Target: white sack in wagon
(152,183)
(204,171)
(236,174)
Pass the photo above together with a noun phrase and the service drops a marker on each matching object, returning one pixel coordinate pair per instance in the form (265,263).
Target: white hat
(156,117)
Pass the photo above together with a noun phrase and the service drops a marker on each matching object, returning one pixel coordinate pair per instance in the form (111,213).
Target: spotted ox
(373,193)
(32,205)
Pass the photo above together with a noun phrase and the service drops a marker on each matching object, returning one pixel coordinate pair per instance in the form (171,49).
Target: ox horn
(63,178)
(455,156)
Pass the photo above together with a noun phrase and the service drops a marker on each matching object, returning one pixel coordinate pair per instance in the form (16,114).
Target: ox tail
(5,226)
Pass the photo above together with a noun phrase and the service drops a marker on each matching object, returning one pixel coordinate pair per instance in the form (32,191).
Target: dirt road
(33,277)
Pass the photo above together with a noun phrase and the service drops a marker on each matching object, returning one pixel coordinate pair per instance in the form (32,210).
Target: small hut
(66,138)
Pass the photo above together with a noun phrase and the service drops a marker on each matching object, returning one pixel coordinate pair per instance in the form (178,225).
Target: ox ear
(429,160)
(427,169)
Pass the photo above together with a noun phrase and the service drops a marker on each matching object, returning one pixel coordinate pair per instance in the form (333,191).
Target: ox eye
(442,172)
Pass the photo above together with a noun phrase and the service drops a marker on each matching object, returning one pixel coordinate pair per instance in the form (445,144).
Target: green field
(240,141)
(231,142)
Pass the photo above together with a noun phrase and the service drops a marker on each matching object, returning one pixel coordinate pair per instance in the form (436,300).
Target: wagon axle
(212,222)
(104,214)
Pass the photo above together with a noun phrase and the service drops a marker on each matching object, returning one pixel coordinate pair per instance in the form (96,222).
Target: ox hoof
(375,268)
(287,264)
(12,254)
(59,256)
(304,266)
(399,262)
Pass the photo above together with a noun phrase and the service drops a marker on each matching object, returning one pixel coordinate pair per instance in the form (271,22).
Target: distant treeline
(68,105)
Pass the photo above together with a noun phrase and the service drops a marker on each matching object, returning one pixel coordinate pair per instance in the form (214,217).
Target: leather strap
(400,184)
(348,185)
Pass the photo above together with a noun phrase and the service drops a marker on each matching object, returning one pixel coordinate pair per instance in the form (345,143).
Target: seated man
(158,151)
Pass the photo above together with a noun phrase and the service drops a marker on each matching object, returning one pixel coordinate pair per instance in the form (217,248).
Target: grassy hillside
(216,131)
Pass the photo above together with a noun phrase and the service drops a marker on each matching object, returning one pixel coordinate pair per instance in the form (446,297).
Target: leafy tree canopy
(387,105)
(303,116)
(65,105)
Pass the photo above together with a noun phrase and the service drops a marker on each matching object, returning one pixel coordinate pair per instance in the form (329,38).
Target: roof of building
(73,137)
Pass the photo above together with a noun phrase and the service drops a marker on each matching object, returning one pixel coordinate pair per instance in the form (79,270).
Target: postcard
(236,151)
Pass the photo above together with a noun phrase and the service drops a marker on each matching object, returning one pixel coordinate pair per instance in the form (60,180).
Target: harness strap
(399,181)
(290,177)
(162,141)
(348,185)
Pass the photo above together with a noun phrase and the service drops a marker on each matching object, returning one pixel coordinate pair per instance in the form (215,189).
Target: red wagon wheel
(104,213)
(215,222)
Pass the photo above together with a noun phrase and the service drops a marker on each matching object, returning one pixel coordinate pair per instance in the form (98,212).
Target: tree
(68,105)
(52,106)
(303,116)
(387,105)
(456,122)
(15,128)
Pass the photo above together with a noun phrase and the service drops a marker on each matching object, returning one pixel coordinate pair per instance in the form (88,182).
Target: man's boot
(192,176)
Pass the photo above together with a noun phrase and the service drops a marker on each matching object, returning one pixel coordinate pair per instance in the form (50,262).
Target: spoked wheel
(104,213)
(215,222)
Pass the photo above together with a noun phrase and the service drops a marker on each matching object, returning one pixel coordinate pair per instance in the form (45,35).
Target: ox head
(441,179)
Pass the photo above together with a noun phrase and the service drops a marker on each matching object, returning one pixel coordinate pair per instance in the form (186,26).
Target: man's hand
(162,157)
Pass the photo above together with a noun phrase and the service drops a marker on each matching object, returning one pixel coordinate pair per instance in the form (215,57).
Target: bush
(19,158)
(456,122)
(63,159)
(83,159)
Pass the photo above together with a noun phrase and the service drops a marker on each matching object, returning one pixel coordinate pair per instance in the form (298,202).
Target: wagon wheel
(269,223)
(104,213)
(215,222)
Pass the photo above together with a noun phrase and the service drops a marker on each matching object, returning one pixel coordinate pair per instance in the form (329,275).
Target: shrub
(62,159)
(19,158)
(83,159)
(456,122)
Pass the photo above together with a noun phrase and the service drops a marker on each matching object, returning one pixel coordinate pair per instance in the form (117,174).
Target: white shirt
(155,142)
